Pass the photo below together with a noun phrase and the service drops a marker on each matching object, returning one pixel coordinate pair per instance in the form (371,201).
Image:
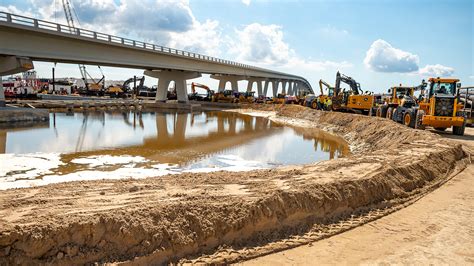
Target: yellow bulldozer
(226,96)
(247,97)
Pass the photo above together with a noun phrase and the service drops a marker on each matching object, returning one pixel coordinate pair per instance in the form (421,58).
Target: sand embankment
(173,218)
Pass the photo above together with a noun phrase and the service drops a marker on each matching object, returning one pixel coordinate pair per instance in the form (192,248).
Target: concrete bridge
(24,40)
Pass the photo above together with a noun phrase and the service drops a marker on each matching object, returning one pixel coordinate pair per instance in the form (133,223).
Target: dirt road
(436,229)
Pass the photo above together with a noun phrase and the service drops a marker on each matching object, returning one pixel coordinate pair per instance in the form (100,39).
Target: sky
(380,43)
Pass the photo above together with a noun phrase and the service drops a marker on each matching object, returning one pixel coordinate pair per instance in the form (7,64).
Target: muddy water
(84,146)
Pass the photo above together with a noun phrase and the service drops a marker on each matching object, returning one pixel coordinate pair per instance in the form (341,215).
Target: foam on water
(29,170)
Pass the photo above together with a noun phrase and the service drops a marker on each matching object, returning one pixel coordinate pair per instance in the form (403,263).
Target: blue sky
(379,43)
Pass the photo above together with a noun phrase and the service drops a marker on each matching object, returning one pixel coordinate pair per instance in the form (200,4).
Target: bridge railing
(64,29)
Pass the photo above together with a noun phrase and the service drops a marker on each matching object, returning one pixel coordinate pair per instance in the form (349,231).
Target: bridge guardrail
(65,29)
(52,26)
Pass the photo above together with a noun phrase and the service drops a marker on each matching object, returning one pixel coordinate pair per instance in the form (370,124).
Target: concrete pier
(11,115)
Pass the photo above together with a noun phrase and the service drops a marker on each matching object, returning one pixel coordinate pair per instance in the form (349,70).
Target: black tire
(459,131)
(389,113)
(314,104)
(440,128)
(419,120)
(382,111)
(409,119)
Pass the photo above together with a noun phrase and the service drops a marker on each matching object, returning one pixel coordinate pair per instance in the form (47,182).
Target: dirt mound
(158,220)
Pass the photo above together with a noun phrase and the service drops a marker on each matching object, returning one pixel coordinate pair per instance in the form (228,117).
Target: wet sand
(437,229)
(225,217)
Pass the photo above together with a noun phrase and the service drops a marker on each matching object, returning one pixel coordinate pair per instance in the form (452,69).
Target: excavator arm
(194,85)
(328,86)
(354,85)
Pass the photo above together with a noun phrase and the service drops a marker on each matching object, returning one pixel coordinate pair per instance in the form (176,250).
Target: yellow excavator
(354,100)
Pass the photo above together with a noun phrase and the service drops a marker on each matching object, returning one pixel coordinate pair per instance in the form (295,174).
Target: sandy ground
(437,229)
(226,217)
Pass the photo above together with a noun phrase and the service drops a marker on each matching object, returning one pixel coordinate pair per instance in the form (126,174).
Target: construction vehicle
(440,108)
(354,100)
(279,99)
(226,96)
(401,97)
(247,97)
(323,97)
(194,96)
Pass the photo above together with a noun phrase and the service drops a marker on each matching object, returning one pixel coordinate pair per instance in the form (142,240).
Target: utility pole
(54,82)
(134,87)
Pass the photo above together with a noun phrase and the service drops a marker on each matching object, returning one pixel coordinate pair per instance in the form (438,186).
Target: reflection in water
(125,141)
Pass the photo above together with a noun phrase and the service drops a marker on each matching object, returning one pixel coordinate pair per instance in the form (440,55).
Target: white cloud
(436,70)
(246,2)
(14,10)
(164,22)
(383,57)
(471,77)
(333,32)
(264,45)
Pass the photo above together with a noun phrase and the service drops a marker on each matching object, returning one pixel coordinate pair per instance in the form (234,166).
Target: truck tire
(409,119)
(459,130)
(419,120)
(314,104)
(389,113)
(382,111)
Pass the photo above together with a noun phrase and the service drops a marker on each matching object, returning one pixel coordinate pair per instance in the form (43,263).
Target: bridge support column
(164,79)
(274,87)
(2,94)
(259,85)
(283,86)
(223,79)
(11,65)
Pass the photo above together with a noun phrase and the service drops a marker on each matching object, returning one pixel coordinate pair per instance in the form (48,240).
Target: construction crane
(94,87)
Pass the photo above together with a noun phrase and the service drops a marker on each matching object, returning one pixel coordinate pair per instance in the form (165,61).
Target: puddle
(113,145)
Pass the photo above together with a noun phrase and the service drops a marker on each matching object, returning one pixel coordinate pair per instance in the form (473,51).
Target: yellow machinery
(194,96)
(280,99)
(226,96)
(440,108)
(399,96)
(354,100)
(323,97)
(247,97)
